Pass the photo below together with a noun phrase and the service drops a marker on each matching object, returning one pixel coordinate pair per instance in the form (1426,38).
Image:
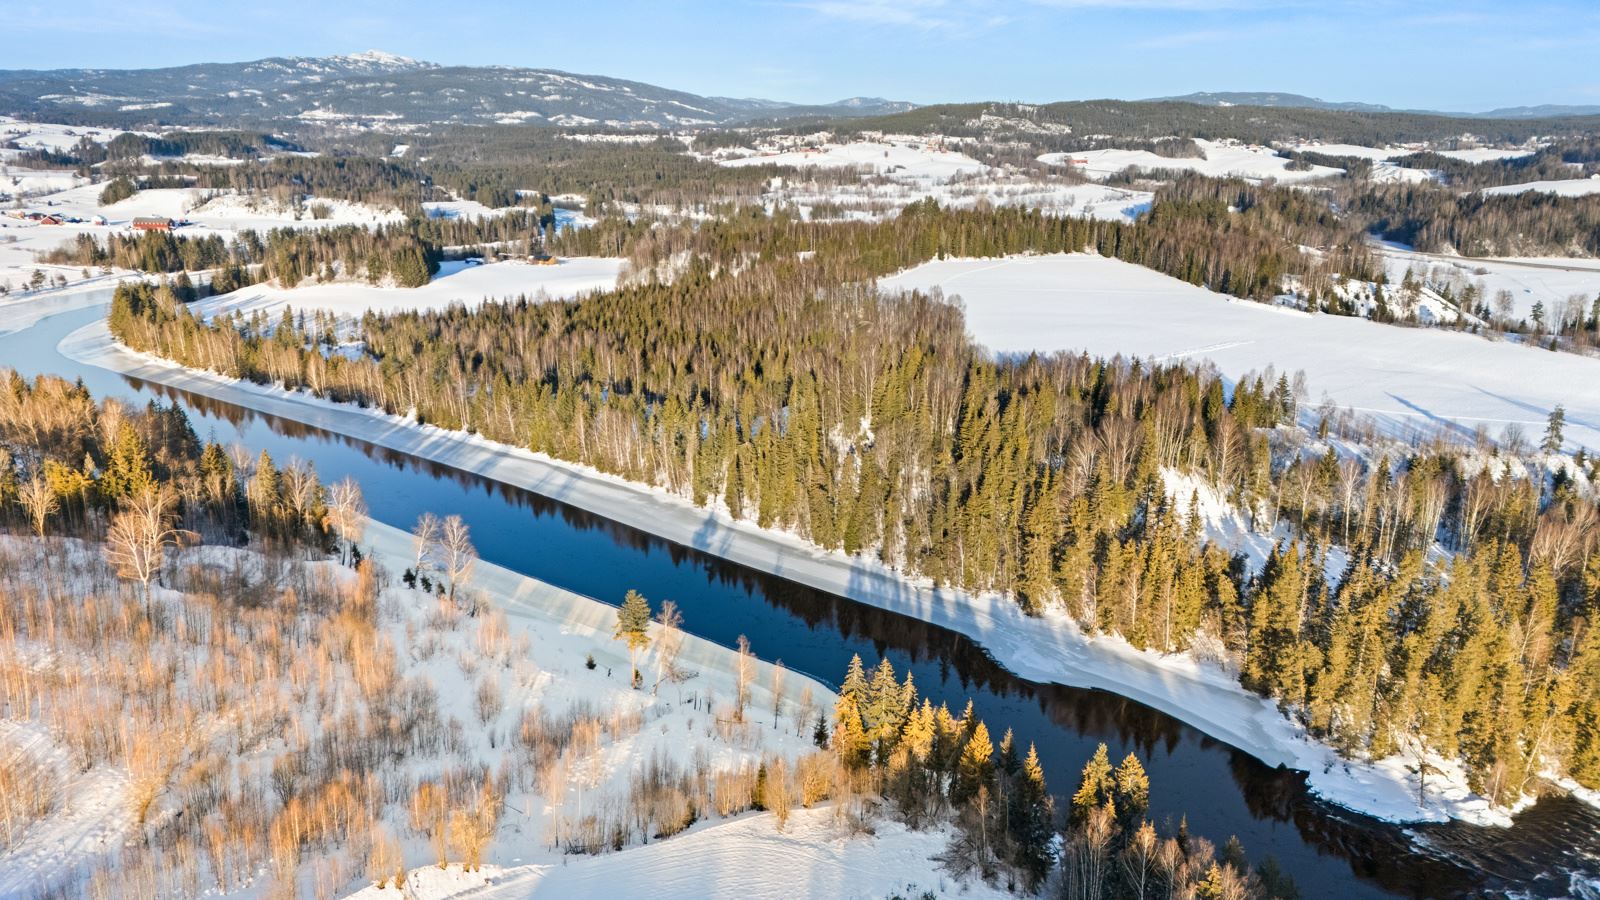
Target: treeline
(71,465)
(1151,120)
(132,147)
(408,252)
(491,165)
(1435,219)
(1227,235)
(793,394)
(375,181)
(1548,164)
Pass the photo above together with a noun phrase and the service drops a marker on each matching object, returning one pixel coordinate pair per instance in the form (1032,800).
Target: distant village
(139,223)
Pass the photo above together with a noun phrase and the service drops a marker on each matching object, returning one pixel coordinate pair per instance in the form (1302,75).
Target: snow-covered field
(51,136)
(1222,159)
(1567,187)
(1356,150)
(876,200)
(1485,154)
(220,213)
(898,170)
(1403,377)
(455,283)
(1049,648)
(909,159)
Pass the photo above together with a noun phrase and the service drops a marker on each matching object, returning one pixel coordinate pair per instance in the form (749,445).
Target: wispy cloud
(950,16)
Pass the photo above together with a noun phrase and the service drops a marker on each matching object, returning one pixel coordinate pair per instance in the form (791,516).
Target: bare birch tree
(140,533)
(744,673)
(668,643)
(347,514)
(425,540)
(456,550)
(778,672)
(40,502)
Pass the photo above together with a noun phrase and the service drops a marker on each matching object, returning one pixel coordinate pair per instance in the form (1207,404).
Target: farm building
(152,223)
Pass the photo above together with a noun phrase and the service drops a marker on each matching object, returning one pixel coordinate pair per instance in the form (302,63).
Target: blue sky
(1463,55)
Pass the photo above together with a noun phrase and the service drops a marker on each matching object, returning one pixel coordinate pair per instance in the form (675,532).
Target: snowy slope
(454,283)
(915,161)
(1567,187)
(744,857)
(1485,154)
(1222,159)
(1404,377)
(1550,281)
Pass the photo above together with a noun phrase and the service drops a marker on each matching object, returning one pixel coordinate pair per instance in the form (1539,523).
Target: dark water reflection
(1221,791)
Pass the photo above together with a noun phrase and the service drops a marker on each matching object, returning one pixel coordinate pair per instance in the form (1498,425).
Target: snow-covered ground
(213,210)
(1485,154)
(220,213)
(472,209)
(1384,172)
(742,857)
(1550,281)
(455,283)
(531,643)
(1567,187)
(1222,159)
(1049,648)
(1356,150)
(1403,377)
(51,136)
(909,158)
(1376,154)
(874,200)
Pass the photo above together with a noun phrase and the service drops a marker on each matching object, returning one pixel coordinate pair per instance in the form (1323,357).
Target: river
(1222,792)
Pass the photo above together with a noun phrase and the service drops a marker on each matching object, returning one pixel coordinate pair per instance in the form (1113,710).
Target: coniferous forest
(780,386)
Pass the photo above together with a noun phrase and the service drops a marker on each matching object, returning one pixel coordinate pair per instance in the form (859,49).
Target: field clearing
(1405,378)
(1222,159)
(455,283)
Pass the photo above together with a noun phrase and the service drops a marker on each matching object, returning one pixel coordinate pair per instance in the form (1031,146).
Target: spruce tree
(633,626)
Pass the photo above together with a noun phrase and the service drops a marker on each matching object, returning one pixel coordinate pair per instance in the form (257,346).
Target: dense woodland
(1439,220)
(790,394)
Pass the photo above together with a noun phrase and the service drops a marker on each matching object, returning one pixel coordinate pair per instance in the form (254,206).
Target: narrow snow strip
(1050,648)
(540,602)
(745,857)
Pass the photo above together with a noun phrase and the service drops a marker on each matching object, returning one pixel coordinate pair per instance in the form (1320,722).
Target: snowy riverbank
(1046,649)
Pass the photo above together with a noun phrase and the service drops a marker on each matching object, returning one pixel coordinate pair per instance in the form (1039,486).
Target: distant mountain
(1260,98)
(1300,101)
(1546,111)
(377,88)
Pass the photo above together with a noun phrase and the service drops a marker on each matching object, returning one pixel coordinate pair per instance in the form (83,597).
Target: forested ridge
(407,252)
(793,394)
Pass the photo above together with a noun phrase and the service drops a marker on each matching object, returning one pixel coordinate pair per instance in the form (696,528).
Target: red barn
(152,223)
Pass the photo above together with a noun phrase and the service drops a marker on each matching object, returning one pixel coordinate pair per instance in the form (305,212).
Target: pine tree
(976,769)
(633,626)
(1031,822)
(1553,429)
(1133,788)
(1096,787)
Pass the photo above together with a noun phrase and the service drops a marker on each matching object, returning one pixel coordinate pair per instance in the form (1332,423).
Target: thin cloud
(933,16)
